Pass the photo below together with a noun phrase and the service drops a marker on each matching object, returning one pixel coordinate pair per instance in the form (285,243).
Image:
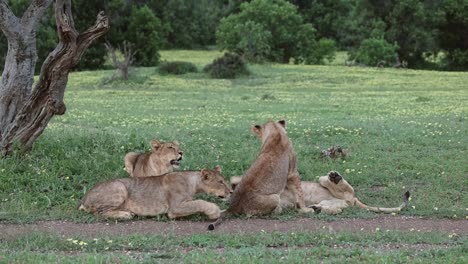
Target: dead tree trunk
(128,54)
(25,112)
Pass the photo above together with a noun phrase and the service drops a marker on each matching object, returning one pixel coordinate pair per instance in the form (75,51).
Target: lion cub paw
(306,210)
(213,213)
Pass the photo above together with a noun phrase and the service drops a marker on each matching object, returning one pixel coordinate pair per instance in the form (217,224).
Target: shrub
(229,66)
(274,22)
(376,52)
(309,50)
(176,67)
(251,40)
(457,60)
(144,31)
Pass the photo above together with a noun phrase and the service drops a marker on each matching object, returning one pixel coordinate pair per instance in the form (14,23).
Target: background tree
(327,16)
(144,33)
(279,19)
(122,65)
(25,112)
(452,33)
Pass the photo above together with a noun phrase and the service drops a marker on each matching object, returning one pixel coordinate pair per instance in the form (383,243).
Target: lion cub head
(168,152)
(213,182)
(265,131)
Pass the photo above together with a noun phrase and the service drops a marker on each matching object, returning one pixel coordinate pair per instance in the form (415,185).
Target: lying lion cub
(170,193)
(331,194)
(163,159)
(274,169)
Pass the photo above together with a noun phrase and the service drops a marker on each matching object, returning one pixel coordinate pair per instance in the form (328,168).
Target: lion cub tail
(218,221)
(406,197)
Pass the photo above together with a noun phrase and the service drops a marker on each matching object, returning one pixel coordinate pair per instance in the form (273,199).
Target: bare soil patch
(237,226)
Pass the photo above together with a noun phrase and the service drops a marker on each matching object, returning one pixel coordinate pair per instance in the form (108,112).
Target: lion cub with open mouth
(163,158)
(169,194)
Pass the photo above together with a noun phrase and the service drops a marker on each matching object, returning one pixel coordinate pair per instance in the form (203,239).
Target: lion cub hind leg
(130,160)
(105,198)
(264,204)
(118,214)
(294,184)
(192,207)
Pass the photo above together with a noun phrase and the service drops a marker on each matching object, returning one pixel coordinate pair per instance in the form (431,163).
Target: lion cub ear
(205,174)
(217,168)
(155,144)
(175,142)
(257,130)
(282,123)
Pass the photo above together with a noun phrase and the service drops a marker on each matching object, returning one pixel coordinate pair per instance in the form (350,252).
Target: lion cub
(170,193)
(165,156)
(331,195)
(274,169)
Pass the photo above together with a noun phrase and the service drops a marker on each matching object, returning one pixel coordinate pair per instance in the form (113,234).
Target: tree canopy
(428,33)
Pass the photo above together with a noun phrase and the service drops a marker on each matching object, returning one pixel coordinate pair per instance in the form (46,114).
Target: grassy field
(379,247)
(404,129)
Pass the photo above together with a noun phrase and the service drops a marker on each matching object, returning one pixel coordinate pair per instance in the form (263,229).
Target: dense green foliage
(453,33)
(176,67)
(429,34)
(229,66)
(143,32)
(271,29)
(376,52)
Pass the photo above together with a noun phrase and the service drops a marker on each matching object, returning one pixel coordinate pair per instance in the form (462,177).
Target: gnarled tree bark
(25,112)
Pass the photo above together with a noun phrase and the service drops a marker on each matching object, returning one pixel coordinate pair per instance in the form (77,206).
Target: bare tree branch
(9,23)
(32,15)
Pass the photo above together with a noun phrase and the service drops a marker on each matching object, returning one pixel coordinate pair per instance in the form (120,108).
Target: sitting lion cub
(331,195)
(163,159)
(170,193)
(274,169)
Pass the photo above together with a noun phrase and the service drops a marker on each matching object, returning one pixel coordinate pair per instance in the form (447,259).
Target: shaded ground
(151,227)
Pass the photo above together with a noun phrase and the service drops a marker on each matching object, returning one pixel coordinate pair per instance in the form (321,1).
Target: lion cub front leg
(192,207)
(130,160)
(294,184)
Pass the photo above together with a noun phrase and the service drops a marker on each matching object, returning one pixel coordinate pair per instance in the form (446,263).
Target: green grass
(405,130)
(382,247)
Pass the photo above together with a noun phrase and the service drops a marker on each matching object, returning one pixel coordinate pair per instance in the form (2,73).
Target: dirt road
(152,227)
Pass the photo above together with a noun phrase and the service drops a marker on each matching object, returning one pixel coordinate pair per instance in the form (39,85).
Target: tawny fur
(169,194)
(331,194)
(274,169)
(162,159)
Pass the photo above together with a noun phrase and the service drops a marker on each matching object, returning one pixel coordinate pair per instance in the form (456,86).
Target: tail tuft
(211,227)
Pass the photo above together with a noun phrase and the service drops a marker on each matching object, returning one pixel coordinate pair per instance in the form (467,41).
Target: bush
(376,52)
(176,67)
(457,60)
(251,40)
(229,66)
(271,25)
(144,32)
(310,51)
